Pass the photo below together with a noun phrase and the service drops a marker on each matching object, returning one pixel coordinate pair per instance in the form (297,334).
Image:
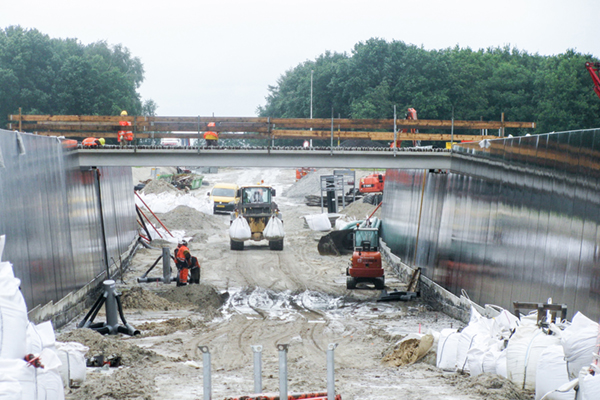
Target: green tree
(62,76)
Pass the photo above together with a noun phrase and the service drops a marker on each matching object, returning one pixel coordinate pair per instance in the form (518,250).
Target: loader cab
(256,195)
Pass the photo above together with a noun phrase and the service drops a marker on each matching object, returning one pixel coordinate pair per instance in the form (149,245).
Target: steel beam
(191,157)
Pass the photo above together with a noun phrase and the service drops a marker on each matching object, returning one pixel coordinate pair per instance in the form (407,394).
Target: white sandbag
(481,333)
(25,375)
(475,360)
(523,352)
(39,337)
(506,320)
(551,373)
(501,364)
(579,342)
(72,356)
(49,384)
(13,314)
(10,388)
(240,230)
(318,222)
(484,358)
(447,348)
(274,229)
(589,385)
(2,241)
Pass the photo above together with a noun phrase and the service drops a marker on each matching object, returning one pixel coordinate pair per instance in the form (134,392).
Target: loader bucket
(336,243)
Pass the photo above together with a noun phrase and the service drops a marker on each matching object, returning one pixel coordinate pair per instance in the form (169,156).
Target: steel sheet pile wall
(516,220)
(49,212)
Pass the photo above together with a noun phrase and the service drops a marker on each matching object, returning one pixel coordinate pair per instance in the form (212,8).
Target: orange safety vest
(127,135)
(208,135)
(89,142)
(180,255)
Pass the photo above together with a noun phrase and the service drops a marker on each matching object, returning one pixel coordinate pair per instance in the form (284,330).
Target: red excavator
(366,259)
(411,113)
(372,183)
(594,70)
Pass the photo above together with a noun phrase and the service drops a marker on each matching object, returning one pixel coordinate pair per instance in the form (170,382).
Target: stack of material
(190,181)
(315,201)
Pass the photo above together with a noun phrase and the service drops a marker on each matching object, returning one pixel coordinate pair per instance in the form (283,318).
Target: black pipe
(103,299)
(153,265)
(82,323)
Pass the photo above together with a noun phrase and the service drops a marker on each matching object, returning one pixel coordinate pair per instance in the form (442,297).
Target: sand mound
(409,351)
(139,298)
(123,383)
(157,186)
(169,326)
(109,345)
(360,210)
(190,219)
(204,296)
(308,185)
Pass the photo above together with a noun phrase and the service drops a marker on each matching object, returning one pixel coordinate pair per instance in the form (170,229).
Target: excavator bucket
(336,243)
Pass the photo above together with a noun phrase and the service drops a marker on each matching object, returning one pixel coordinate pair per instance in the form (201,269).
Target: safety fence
(515,219)
(64,225)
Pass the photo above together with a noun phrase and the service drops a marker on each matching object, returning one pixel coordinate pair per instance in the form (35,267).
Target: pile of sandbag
(30,362)
(546,359)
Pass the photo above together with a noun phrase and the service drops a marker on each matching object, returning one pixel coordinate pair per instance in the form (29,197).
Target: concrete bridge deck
(268,157)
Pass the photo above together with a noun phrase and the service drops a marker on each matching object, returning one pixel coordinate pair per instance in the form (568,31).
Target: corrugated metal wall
(515,220)
(50,214)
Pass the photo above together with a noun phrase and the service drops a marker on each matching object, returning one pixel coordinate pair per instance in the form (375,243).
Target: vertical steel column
(395,132)
(166,256)
(206,372)
(283,389)
(112,313)
(331,372)
(257,368)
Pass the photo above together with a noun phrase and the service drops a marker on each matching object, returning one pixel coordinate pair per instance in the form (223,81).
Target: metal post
(206,372)
(257,368)
(331,146)
(331,372)
(283,389)
(166,256)
(395,132)
(112,312)
(452,131)
(311,99)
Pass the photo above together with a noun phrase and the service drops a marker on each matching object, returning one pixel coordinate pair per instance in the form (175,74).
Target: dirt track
(294,296)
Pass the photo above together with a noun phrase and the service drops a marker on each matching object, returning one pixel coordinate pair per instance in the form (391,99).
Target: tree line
(43,75)
(555,91)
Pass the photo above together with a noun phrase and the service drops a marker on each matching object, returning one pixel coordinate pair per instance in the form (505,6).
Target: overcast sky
(203,57)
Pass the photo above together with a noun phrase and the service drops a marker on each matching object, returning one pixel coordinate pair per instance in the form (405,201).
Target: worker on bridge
(93,142)
(124,135)
(211,138)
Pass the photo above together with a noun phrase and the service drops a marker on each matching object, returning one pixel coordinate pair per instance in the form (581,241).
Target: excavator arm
(594,70)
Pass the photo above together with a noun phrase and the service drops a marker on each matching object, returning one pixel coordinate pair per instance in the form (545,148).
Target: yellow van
(224,197)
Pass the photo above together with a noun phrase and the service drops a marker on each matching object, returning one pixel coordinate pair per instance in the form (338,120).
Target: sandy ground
(263,297)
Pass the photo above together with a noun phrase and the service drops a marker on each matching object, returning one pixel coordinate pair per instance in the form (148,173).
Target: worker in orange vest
(93,142)
(211,137)
(194,270)
(123,134)
(182,254)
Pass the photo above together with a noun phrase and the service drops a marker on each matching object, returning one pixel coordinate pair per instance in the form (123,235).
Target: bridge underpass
(273,157)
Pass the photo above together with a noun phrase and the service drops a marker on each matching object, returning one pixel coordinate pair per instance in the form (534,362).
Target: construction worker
(124,135)
(211,137)
(181,262)
(194,270)
(93,142)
